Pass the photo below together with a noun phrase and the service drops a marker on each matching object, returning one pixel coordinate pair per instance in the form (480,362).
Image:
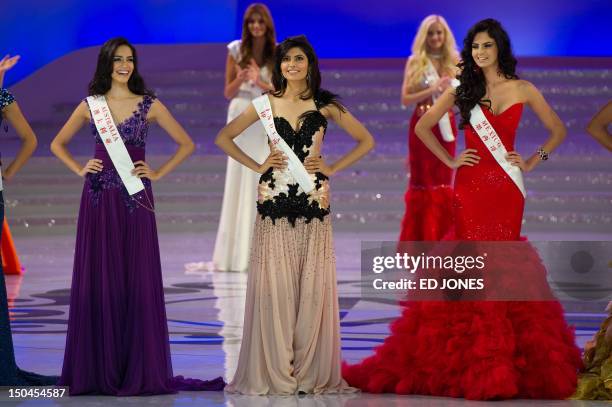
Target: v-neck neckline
(134,112)
(434,67)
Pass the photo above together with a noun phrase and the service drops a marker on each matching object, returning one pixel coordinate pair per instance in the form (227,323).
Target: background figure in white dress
(248,73)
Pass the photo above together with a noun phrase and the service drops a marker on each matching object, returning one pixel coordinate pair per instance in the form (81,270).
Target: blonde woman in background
(429,71)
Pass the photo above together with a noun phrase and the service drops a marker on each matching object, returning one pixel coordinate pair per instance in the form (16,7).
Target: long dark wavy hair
(246,46)
(313,90)
(473,84)
(101,82)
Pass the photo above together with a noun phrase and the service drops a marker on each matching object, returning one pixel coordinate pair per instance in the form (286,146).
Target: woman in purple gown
(117,341)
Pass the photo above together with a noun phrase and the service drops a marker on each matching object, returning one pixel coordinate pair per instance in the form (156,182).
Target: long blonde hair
(418,60)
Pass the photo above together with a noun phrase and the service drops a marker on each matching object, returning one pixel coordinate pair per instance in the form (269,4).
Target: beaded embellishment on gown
(291,334)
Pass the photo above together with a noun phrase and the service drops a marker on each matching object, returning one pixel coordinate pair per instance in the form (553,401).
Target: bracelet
(543,154)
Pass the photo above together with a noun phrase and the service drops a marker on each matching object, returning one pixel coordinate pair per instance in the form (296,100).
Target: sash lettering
(294,165)
(491,139)
(113,143)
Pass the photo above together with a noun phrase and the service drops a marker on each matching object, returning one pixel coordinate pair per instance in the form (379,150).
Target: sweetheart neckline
(309,113)
(509,108)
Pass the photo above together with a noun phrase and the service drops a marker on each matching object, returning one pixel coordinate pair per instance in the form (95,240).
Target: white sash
(0,178)
(113,143)
(294,165)
(444,124)
(489,137)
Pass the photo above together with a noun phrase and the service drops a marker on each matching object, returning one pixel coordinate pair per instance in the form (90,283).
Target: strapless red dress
(478,350)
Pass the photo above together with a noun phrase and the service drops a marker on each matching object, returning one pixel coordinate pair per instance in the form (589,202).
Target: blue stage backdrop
(44,30)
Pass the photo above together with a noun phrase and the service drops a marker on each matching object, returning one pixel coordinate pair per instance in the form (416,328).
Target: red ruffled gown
(429,195)
(479,350)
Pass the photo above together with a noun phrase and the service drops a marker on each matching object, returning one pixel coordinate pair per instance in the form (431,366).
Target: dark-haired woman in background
(489,349)
(291,335)
(117,341)
(10,373)
(248,72)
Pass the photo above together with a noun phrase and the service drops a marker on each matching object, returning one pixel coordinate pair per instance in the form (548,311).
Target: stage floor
(205,312)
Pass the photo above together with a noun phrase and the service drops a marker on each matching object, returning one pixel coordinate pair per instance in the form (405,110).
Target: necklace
(435,56)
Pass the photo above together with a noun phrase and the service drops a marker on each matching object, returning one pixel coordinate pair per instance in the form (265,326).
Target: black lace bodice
(279,195)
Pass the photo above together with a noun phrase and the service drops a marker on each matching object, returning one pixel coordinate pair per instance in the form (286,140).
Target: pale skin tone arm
(236,76)
(410,96)
(598,128)
(13,115)
(354,128)
(529,95)
(253,74)
(158,113)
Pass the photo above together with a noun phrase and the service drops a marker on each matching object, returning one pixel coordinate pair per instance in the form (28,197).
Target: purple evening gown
(117,341)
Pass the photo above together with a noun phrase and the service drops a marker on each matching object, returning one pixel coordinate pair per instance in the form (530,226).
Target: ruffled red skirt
(474,350)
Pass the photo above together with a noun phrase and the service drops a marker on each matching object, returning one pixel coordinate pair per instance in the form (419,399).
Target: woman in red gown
(429,71)
(489,349)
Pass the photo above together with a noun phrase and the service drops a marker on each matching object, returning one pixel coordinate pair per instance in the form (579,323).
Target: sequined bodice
(279,195)
(6,98)
(134,129)
(249,90)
